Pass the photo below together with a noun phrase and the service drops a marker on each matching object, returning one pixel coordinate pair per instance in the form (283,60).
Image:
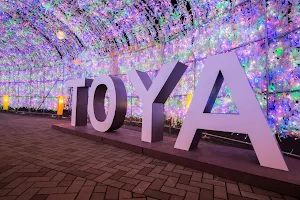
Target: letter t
(79,100)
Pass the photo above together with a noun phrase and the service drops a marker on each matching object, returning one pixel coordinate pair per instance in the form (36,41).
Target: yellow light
(189,98)
(5,102)
(60,35)
(60,105)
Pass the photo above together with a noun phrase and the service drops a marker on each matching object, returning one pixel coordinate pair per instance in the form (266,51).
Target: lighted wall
(266,39)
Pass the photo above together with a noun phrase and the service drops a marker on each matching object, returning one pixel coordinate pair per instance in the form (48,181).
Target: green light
(161,20)
(246,63)
(279,51)
(296,87)
(47,6)
(261,20)
(295,95)
(295,53)
(176,15)
(68,15)
(219,6)
(271,88)
(227,90)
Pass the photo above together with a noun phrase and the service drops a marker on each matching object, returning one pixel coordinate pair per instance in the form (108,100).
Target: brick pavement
(37,162)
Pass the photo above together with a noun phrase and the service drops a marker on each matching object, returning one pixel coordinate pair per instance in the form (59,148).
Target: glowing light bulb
(60,35)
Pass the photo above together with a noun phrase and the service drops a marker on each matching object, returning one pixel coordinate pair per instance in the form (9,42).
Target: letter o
(117,107)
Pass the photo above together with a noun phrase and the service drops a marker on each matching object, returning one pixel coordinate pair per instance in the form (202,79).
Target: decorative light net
(44,43)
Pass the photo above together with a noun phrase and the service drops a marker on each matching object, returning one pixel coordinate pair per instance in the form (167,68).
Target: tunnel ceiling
(43,31)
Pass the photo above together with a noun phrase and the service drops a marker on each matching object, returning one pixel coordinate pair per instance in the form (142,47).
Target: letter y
(154,95)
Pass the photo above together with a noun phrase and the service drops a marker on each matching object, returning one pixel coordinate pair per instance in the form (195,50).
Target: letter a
(250,119)
(154,95)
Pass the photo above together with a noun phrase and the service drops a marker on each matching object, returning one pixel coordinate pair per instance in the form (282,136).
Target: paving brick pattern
(37,162)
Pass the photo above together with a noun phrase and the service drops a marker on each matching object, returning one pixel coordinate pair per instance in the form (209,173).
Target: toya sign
(153,95)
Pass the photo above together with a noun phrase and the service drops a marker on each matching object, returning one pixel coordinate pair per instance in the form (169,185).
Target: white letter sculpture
(79,100)
(117,105)
(250,119)
(154,95)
